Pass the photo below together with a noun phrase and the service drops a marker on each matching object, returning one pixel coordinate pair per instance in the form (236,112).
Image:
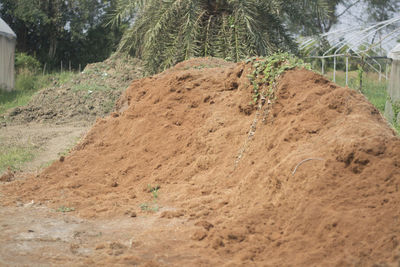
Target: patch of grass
(376,94)
(149,207)
(397,128)
(90,87)
(108,106)
(14,157)
(64,209)
(25,86)
(63,77)
(14,99)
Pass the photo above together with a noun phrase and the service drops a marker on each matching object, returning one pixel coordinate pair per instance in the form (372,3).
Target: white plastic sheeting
(394,86)
(7,51)
(395,53)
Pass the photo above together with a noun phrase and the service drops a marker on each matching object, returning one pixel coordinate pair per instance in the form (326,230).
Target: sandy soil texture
(198,176)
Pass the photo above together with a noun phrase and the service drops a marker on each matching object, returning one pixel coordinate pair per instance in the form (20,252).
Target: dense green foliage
(163,32)
(380,10)
(166,32)
(312,21)
(25,62)
(63,30)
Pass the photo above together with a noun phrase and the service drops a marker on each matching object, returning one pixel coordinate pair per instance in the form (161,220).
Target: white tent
(394,86)
(8,40)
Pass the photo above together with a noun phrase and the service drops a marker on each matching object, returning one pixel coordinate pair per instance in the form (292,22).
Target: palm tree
(165,32)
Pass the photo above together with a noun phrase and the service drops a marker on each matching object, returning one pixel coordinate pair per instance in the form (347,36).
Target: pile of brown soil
(311,179)
(86,96)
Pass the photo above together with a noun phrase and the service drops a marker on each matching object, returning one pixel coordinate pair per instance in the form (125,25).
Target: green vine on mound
(266,71)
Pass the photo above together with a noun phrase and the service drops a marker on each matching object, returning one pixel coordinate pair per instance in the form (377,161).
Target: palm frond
(165,32)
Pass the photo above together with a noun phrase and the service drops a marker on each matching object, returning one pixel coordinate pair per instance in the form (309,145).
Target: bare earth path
(32,235)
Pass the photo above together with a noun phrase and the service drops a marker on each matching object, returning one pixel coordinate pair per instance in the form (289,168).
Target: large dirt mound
(312,179)
(85,96)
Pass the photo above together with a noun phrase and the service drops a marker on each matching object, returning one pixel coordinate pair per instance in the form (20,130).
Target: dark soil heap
(310,180)
(87,95)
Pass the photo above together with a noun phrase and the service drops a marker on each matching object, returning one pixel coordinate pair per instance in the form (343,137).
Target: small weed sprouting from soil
(266,70)
(149,207)
(154,190)
(64,209)
(153,207)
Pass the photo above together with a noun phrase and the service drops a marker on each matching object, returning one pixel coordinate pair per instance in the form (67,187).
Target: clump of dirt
(310,179)
(7,176)
(87,95)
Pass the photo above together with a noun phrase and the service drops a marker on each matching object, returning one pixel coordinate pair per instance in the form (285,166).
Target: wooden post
(347,70)
(44,68)
(79,67)
(70,66)
(360,73)
(380,73)
(61,67)
(334,69)
(387,69)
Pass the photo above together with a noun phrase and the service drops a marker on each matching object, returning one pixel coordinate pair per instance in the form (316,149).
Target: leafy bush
(26,63)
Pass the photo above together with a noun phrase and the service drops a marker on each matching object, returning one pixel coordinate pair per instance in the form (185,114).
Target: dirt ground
(33,235)
(188,172)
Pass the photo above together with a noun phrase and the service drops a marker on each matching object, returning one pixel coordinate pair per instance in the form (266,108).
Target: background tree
(310,20)
(63,30)
(166,32)
(380,10)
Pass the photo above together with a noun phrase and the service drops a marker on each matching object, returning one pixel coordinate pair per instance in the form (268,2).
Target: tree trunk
(53,47)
